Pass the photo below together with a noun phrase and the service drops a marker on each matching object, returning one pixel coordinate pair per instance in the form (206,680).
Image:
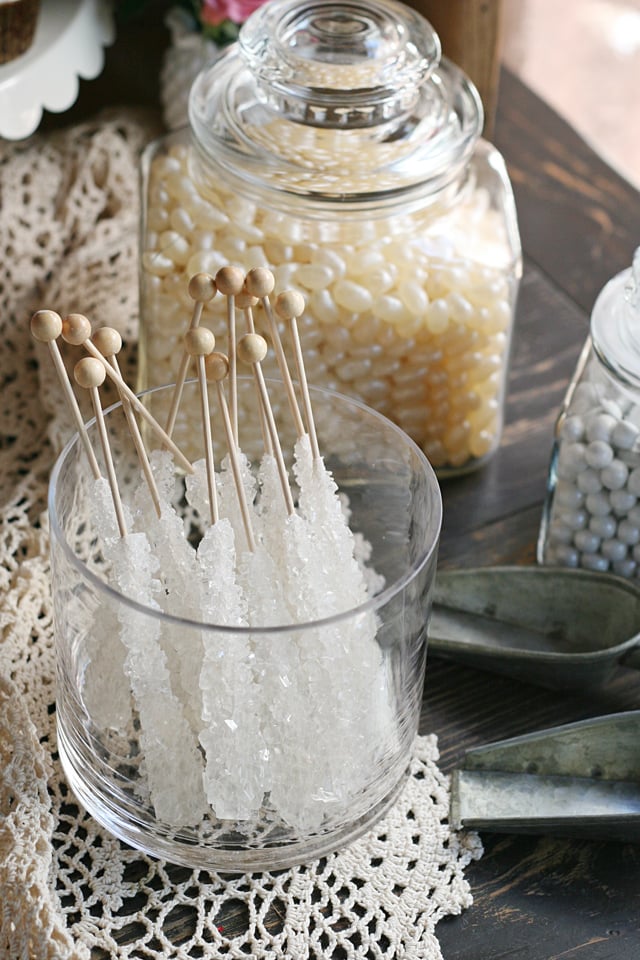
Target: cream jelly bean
(595,470)
(409,290)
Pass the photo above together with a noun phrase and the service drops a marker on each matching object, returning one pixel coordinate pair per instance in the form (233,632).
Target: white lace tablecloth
(68,241)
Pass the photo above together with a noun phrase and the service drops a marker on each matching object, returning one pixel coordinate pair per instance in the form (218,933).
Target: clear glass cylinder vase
(242,745)
(334,146)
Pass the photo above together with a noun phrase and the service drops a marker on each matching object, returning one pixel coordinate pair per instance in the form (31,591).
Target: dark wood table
(535,898)
(538,898)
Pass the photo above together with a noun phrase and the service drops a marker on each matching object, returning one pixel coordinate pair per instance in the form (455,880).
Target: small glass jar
(333,145)
(591,517)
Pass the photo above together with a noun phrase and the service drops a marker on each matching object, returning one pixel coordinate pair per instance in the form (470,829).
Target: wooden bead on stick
(46,326)
(202,287)
(244,301)
(76,329)
(109,342)
(252,348)
(217,368)
(247,302)
(90,374)
(74,326)
(198,343)
(289,306)
(230,281)
(260,282)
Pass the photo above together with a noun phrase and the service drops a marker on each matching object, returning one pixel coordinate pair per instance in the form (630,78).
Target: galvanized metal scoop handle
(580,779)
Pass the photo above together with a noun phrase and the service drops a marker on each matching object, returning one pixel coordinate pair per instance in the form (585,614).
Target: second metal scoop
(581,779)
(557,627)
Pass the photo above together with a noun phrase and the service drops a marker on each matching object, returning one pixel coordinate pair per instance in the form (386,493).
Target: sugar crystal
(172,761)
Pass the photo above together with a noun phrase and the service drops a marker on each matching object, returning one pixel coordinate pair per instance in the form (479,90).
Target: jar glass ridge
(384,208)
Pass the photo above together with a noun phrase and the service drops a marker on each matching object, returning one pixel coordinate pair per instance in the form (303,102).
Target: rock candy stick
(289,306)
(234,774)
(46,326)
(252,349)
(230,281)
(199,343)
(76,330)
(89,373)
(202,288)
(260,283)
(109,343)
(216,367)
(246,302)
(172,761)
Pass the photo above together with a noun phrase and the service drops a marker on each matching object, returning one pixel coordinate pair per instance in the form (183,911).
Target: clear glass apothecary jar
(591,516)
(335,146)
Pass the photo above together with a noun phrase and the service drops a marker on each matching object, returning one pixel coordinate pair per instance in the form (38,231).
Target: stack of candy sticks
(198,347)
(265,559)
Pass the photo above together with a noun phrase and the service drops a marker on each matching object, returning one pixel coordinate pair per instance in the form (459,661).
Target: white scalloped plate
(68,45)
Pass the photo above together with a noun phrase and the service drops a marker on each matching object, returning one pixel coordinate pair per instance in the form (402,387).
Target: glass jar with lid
(335,146)
(591,516)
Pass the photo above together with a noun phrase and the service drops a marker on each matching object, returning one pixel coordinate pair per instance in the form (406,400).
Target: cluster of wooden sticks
(242,293)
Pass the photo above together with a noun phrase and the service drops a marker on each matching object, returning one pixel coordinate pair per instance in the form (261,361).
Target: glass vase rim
(373,603)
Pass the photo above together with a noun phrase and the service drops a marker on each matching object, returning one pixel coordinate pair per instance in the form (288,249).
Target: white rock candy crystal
(107,698)
(166,739)
(349,705)
(229,721)
(234,775)
(179,594)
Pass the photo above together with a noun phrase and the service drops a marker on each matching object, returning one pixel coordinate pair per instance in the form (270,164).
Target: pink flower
(214,12)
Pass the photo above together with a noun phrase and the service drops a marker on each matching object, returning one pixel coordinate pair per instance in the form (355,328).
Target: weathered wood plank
(578,218)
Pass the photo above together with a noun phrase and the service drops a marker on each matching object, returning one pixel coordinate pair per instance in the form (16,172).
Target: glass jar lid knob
(615,324)
(339,64)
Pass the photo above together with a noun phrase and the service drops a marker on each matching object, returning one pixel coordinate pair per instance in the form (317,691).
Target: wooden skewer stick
(245,301)
(109,343)
(260,283)
(198,343)
(76,330)
(217,368)
(46,326)
(90,374)
(230,281)
(289,306)
(252,349)
(202,288)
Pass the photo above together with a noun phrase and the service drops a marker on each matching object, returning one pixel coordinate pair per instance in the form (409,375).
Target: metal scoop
(581,779)
(557,627)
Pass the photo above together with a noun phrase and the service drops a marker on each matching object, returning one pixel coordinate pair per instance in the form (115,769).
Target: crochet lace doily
(68,234)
